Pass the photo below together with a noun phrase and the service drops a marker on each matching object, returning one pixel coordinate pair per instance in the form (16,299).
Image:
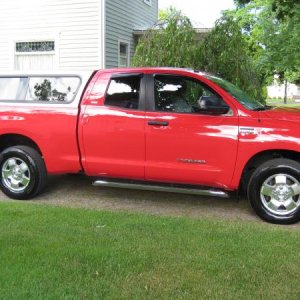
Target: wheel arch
(9,140)
(262,157)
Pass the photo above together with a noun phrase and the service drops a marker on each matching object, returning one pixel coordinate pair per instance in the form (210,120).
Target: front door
(191,133)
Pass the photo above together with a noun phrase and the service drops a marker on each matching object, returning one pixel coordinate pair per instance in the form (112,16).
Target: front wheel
(23,173)
(274,191)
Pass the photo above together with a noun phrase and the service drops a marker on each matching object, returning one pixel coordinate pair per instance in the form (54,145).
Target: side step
(162,188)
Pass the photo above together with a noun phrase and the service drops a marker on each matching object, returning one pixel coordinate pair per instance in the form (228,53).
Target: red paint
(117,142)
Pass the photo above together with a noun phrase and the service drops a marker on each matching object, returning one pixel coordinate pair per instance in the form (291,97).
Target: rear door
(113,129)
(191,133)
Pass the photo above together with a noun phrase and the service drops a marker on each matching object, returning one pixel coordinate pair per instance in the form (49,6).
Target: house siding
(75,25)
(122,17)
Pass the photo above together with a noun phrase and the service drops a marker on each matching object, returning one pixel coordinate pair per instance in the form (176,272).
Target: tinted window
(52,89)
(124,92)
(12,88)
(185,95)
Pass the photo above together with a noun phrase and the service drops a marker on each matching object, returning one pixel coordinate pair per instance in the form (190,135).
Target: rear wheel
(274,191)
(23,173)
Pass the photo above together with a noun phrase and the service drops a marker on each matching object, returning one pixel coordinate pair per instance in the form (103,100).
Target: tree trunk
(285,91)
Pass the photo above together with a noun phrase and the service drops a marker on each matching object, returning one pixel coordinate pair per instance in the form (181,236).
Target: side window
(52,89)
(186,95)
(124,92)
(12,88)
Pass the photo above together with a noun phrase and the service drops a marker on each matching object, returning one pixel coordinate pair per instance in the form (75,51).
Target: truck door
(112,133)
(191,133)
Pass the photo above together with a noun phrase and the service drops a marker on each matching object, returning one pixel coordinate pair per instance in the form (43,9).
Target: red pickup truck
(158,129)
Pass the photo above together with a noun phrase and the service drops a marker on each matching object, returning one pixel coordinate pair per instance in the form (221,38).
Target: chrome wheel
(15,174)
(280,194)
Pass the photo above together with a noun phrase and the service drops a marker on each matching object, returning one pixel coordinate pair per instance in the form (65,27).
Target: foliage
(223,51)
(281,8)
(284,8)
(61,253)
(43,91)
(170,43)
(272,27)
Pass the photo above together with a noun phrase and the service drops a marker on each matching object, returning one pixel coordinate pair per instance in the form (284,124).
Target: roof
(142,31)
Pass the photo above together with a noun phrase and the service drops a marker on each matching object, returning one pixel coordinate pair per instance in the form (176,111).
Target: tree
(170,43)
(223,51)
(273,28)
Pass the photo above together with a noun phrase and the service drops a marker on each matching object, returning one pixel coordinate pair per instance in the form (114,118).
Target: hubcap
(280,194)
(15,174)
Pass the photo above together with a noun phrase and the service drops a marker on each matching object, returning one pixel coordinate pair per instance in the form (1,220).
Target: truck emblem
(247,130)
(192,161)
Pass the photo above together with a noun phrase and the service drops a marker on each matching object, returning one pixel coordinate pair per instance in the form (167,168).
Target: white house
(71,34)
(277,90)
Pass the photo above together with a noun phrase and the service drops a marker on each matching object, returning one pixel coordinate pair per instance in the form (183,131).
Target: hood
(282,113)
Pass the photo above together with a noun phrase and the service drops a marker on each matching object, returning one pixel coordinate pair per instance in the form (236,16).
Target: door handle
(158,123)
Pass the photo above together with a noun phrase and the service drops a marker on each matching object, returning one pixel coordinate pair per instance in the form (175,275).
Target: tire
(274,191)
(23,173)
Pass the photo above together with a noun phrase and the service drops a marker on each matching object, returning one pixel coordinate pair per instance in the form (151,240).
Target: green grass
(279,102)
(62,253)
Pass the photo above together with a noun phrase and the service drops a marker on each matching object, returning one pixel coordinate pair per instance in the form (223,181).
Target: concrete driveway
(77,191)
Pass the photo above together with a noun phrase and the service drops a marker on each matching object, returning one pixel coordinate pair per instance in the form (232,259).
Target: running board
(162,188)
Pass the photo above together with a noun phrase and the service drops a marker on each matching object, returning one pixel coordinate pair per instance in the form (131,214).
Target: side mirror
(213,105)
(216,110)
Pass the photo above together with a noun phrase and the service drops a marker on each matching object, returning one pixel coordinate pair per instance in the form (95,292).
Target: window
(149,2)
(185,95)
(46,89)
(12,88)
(52,89)
(124,92)
(42,46)
(246,100)
(35,55)
(123,54)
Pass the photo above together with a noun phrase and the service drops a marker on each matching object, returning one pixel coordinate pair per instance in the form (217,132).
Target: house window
(35,55)
(149,2)
(123,54)
(42,46)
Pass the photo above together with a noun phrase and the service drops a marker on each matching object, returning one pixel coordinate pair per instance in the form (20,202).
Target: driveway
(77,191)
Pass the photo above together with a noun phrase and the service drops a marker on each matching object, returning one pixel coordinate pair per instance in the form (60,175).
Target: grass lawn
(61,253)
(279,102)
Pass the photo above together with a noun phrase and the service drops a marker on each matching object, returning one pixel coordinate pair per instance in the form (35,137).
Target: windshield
(237,93)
